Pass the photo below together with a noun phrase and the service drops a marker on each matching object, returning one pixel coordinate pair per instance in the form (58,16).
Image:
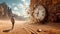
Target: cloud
(26,3)
(23,0)
(20,6)
(15,8)
(16,12)
(23,7)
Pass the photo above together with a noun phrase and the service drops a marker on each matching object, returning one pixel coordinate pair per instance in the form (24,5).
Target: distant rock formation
(5,11)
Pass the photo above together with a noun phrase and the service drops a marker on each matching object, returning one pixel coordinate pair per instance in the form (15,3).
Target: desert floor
(23,27)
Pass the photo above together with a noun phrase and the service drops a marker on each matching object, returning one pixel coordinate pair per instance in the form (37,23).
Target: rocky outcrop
(5,11)
(52,8)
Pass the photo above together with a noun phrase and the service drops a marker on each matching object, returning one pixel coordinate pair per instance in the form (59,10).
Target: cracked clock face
(39,12)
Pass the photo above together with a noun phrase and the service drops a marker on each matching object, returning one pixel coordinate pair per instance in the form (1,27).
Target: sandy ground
(22,27)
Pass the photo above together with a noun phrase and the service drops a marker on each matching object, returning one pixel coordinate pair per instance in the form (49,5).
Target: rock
(39,30)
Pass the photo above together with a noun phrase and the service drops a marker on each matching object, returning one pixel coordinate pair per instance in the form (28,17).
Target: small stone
(39,30)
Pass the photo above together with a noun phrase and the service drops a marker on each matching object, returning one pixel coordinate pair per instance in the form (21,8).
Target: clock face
(39,13)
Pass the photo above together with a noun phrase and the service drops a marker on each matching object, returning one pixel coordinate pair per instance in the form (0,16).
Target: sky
(18,6)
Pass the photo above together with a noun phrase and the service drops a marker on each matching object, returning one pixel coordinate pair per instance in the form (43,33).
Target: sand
(22,27)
